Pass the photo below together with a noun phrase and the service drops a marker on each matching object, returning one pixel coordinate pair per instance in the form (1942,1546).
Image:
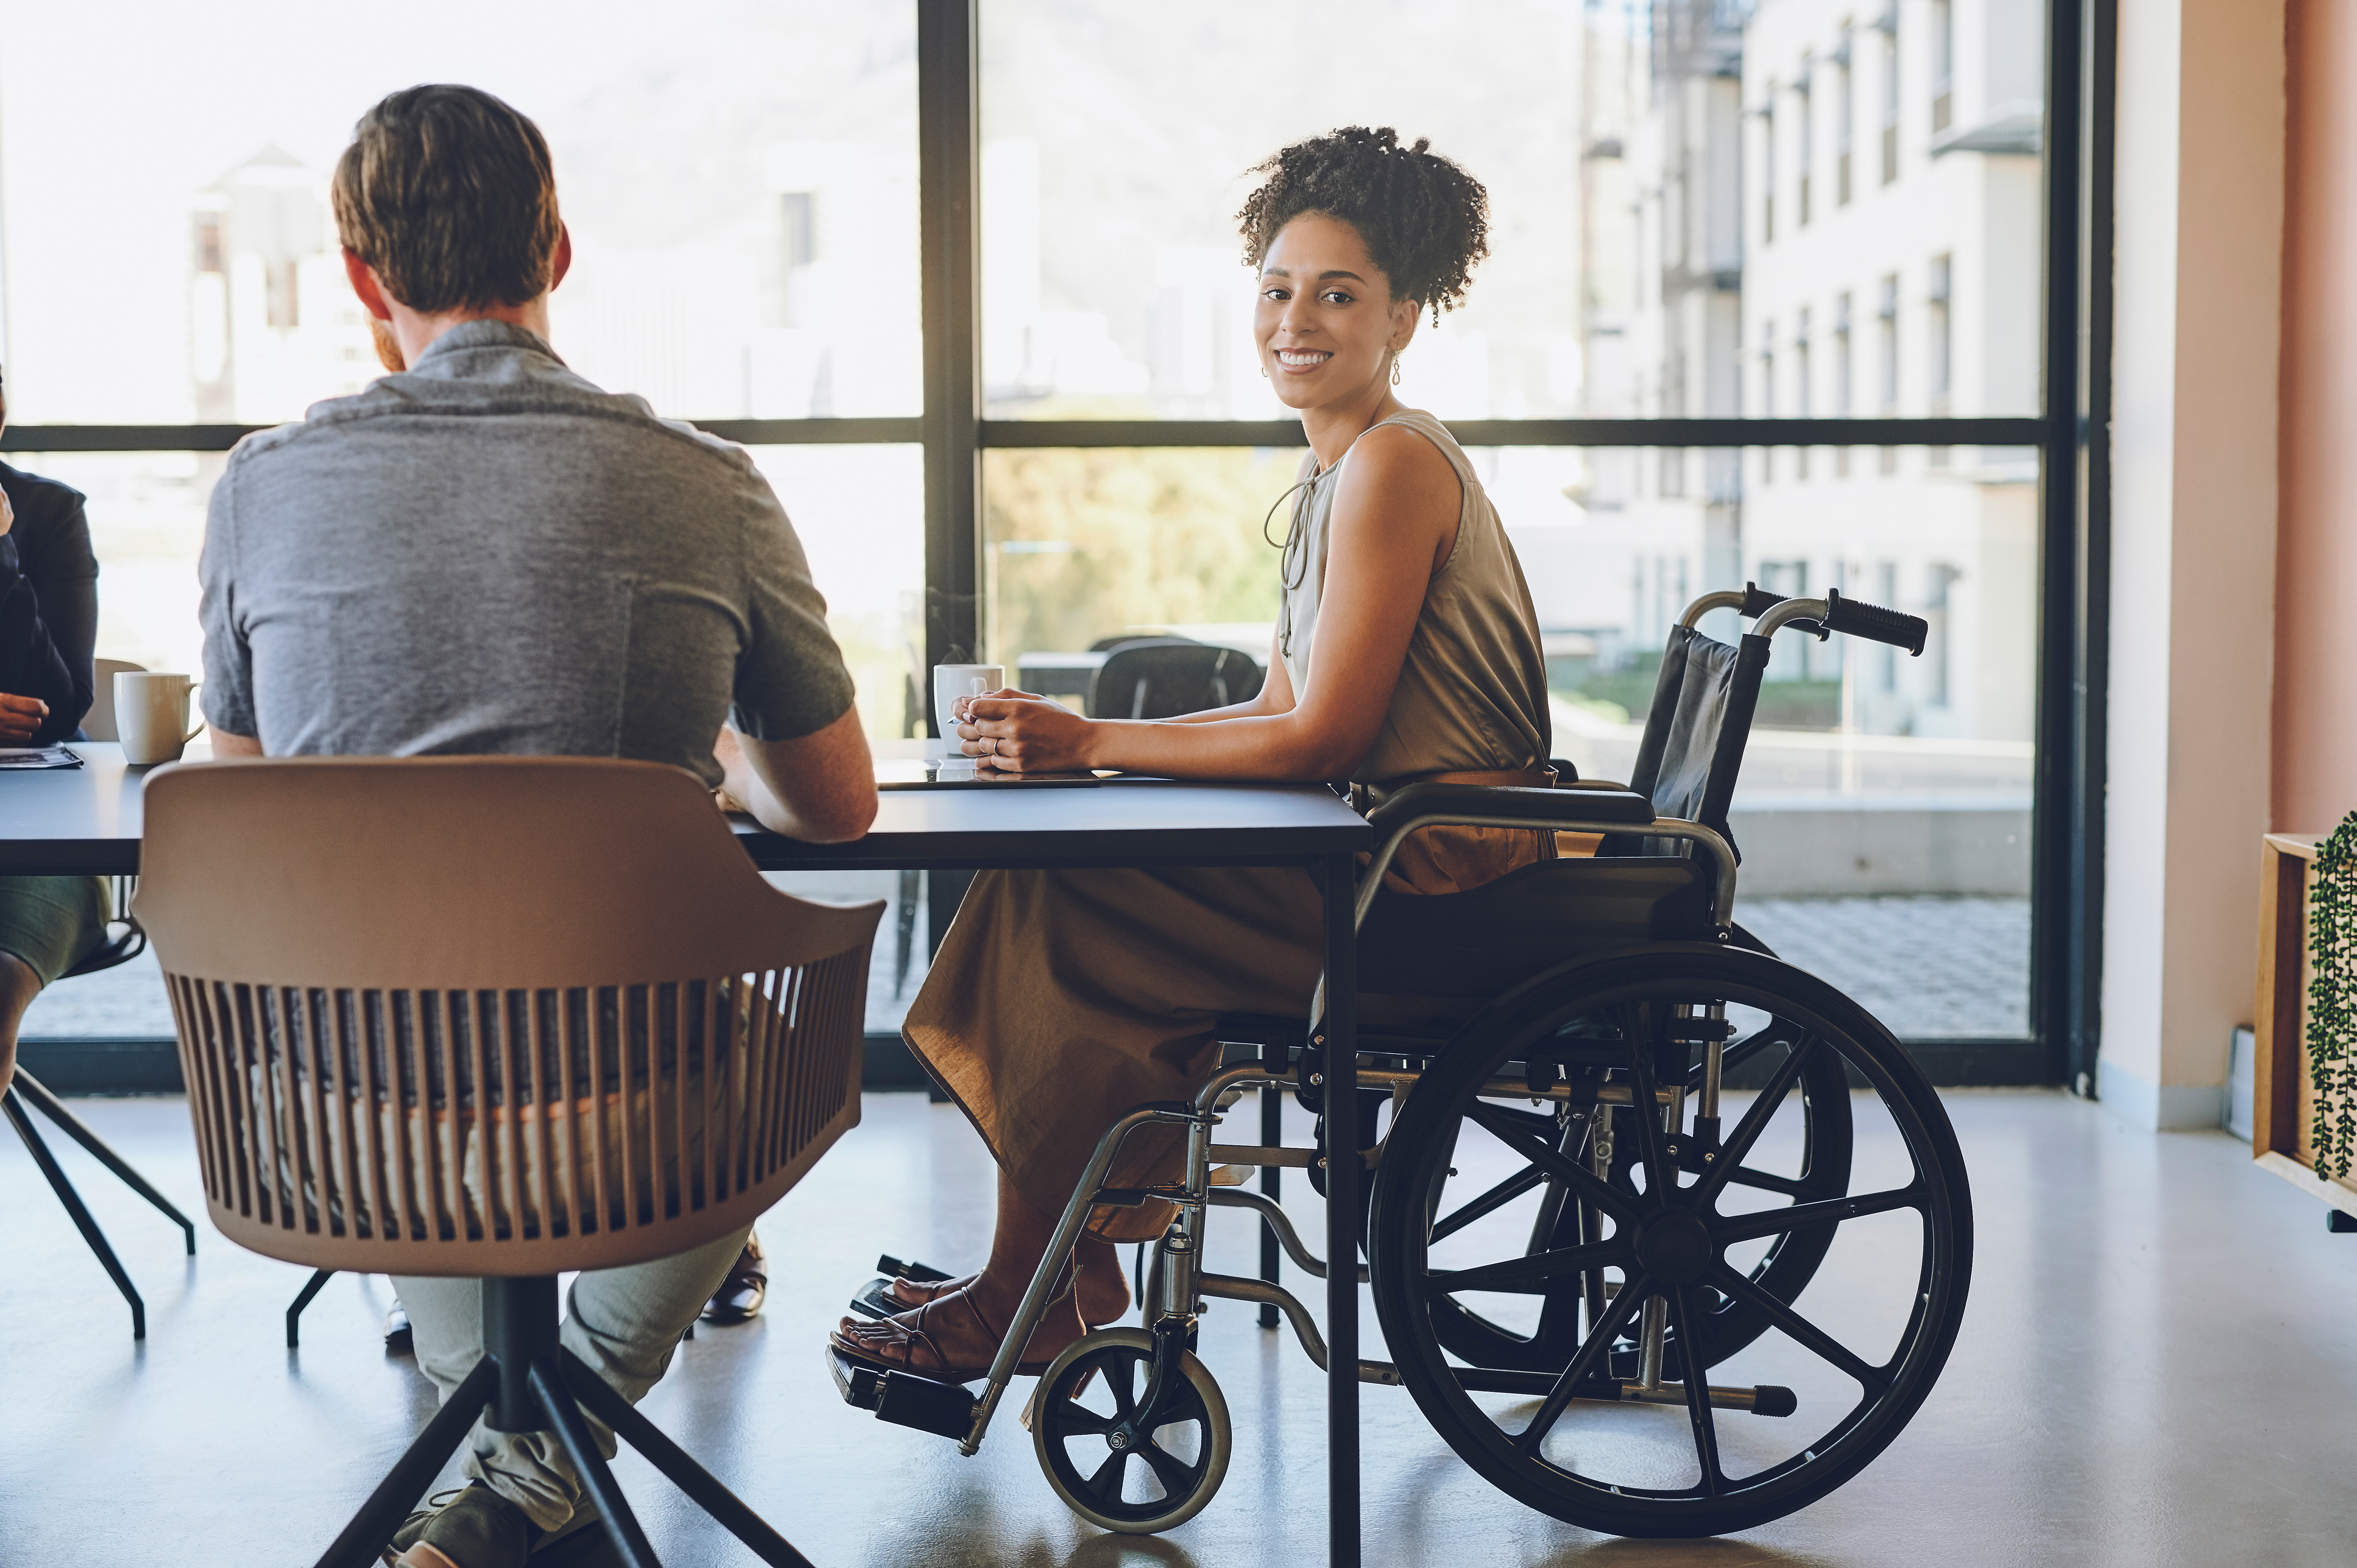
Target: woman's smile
(1301,362)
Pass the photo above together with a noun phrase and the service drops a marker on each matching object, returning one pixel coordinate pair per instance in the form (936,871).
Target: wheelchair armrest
(1473,802)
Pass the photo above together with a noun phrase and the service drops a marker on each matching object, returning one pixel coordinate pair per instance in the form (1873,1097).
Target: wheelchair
(1566,1240)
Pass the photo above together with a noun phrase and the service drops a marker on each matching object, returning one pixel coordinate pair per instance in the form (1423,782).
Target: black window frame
(2071,434)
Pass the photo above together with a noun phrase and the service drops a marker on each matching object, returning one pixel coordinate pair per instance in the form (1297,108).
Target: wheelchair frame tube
(1052,1262)
(1722,911)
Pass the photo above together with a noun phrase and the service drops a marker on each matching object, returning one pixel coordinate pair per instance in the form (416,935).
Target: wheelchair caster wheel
(1078,1414)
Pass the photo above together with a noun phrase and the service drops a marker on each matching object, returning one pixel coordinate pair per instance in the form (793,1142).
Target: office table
(87,821)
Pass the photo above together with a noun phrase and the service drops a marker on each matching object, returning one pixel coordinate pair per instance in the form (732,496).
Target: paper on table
(32,757)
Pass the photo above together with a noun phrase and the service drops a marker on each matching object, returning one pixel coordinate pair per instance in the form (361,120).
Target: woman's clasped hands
(1023,732)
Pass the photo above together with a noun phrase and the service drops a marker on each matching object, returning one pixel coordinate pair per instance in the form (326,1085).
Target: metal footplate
(945,1409)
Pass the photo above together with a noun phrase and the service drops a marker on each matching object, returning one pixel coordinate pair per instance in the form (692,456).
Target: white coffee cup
(151,716)
(952,681)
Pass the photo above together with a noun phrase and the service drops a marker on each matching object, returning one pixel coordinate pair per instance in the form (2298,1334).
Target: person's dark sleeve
(792,681)
(30,663)
(54,554)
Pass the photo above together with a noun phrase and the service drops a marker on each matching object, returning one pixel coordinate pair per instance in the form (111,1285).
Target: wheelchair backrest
(1695,735)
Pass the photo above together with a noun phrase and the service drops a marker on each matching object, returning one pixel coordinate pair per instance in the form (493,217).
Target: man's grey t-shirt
(488,553)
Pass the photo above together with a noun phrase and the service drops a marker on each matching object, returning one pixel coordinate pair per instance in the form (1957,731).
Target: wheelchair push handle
(1856,617)
(1757,601)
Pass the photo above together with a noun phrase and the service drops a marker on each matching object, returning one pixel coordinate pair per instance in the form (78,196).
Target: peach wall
(2315,762)
(2197,273)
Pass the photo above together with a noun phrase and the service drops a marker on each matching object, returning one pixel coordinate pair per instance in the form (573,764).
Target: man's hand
(1024,734)
(20,717)
(820,788)
(7,515)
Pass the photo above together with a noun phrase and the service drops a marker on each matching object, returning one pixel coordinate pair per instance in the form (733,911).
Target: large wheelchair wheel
(1712,1242)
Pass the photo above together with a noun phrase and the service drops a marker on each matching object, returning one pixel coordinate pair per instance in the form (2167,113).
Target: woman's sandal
(889,1297)
(869,1342)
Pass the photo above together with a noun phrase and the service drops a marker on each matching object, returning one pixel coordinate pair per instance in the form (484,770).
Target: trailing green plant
(2333,998)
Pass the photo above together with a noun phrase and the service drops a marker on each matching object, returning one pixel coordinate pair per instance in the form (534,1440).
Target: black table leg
(1340,1056)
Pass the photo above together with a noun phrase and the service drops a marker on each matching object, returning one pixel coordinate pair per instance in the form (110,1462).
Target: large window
(1710,345)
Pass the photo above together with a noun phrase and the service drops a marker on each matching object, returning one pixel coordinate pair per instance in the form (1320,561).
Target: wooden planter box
(2283,1106)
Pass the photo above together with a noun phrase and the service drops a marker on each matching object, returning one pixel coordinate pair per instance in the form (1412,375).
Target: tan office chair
(496,1016)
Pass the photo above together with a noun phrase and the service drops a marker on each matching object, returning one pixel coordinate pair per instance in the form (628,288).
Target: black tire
(1097,1380)
(1669,1237)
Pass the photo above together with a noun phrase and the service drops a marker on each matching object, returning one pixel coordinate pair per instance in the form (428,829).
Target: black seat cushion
(1486,942)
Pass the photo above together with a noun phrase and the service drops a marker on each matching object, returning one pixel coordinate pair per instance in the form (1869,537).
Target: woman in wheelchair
(1406,650)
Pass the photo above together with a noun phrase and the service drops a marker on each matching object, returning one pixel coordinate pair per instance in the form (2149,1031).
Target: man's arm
(820,788)
(228,745)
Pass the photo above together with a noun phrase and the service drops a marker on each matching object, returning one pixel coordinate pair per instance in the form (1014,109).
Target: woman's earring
(1264,372)
(1394,367)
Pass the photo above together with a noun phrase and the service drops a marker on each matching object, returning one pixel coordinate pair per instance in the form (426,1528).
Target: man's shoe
(397,1339)
(476,1528)
(741,1296)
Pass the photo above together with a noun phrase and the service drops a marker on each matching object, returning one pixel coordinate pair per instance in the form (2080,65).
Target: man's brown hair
(449,195)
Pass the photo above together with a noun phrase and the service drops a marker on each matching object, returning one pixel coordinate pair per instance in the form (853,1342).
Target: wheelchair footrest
(946,1410)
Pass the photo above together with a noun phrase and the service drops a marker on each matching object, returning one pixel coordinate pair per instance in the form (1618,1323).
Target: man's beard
(388,346)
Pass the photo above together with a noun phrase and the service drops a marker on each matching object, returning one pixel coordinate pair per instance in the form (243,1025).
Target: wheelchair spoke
(1169,1468)
(1497,1197)
(1554,1163)
(1683,1319)
(1070,1418)
(1652,1143)
(1800,1329)
(1105,1484)
(1767,1181)
(1528,1275)
(1801,1216)
(1117,1376)
(1615,1318)
(1735,1053)
(1755,1121)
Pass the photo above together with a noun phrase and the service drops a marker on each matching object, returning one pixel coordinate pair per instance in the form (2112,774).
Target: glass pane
(1699,207)
(1884,807)
(740,179)
(1084,544)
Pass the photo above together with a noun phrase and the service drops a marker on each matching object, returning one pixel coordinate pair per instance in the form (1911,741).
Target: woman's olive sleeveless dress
(1060,999)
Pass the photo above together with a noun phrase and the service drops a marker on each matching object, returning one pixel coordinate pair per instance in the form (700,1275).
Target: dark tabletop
(86,821)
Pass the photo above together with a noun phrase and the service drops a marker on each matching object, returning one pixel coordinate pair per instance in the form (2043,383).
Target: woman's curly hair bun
(1426,221)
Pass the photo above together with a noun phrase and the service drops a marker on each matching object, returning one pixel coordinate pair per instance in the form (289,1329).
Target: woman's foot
(955,1337)
(1099,1286)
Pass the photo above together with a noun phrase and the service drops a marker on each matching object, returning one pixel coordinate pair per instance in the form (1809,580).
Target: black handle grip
(1855,617)
(1757,601)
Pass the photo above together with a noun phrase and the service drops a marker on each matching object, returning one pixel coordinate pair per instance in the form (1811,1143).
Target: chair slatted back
(491,1015)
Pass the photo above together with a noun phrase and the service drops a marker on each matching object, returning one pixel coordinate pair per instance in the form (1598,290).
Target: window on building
(1885,591)
(1943,58)
(1939,343)
(1844,115)
(1804,136)
(1889,30)
(1939,643)
(1767,168)
(1887,344)
(1802,383)
(1842,408)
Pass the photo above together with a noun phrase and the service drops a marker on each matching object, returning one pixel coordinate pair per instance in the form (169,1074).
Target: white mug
(952,681)
(151,716)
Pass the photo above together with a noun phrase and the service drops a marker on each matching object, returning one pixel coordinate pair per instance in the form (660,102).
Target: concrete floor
(2158,1366)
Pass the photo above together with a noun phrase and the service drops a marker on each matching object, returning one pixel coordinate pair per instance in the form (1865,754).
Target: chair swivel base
(526,1381)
